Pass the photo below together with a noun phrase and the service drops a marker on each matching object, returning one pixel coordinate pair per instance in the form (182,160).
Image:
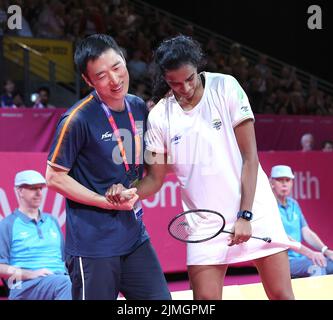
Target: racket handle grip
(266,239)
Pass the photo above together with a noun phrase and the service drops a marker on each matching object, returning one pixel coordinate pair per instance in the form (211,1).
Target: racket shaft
(266,239)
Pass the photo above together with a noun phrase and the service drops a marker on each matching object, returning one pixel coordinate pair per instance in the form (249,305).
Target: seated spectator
(297,103)
(3,18)
(287,78)
(189,30)
(9,91)
(18,100)
(327,146)
(329,104)
(236,56)
(137,68)
(42,101)
(271,104)
(315,103)
(282,101)
(307,142)
(51,23)
(262,66)
(257,91)
(142,91)
(305,261)
(91,21)
(31,246)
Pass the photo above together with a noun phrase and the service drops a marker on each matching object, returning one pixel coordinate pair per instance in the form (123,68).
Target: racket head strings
(194,226)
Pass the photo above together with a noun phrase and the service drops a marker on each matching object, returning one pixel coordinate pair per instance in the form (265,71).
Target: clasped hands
(120,197)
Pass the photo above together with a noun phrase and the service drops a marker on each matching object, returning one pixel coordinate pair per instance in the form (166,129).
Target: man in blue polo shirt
(98,143)
(31,246)
(306,261)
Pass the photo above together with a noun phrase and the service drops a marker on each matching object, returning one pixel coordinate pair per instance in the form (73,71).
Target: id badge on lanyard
(132,173)
(138,211)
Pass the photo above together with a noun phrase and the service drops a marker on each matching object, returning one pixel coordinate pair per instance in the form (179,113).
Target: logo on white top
(176,139)
(245,109)
(217,124)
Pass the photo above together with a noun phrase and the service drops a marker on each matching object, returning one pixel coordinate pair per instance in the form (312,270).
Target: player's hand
(117,194)
(242,232)
(318,259)
(126,205)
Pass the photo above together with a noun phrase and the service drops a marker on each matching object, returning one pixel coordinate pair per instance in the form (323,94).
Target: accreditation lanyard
(118,137)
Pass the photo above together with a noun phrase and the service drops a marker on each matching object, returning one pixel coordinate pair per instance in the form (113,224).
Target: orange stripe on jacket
(63,130)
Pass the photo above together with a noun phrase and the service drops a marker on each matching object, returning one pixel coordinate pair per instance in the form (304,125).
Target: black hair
(171,54)
(46,89)
(91,48)
(325,142)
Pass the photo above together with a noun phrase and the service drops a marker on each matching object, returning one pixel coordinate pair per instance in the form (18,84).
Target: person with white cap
(304,261)
(31,246)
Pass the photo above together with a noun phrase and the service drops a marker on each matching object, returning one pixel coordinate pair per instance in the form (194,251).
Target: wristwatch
(245,214)
(324,249)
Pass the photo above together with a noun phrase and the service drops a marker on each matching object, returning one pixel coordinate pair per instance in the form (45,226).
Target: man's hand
(17,274)
(42,272)
(318,259)
(120,198)
(242,232)
(126,205)
(117,193)
(33,274)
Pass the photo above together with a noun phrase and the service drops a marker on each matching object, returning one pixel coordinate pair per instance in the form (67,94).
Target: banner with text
(312,189)
(32,130)
(41,51)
